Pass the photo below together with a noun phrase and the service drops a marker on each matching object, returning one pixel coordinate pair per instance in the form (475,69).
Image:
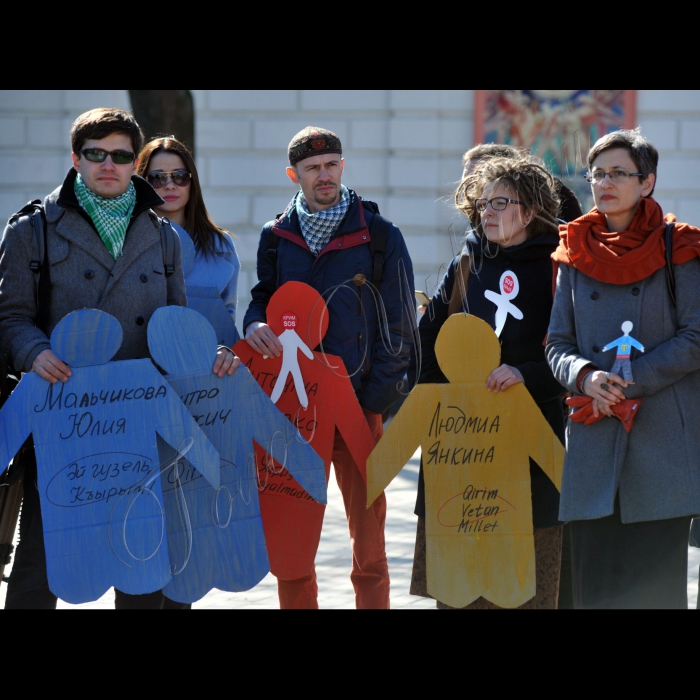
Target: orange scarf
(624,257)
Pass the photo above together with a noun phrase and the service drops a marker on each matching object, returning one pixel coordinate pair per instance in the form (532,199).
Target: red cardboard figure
(291,518)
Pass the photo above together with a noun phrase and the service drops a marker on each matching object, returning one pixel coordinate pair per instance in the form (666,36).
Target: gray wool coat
(84,275)
(656,467)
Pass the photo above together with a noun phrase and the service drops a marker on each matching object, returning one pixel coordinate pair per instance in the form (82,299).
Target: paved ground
(333,561)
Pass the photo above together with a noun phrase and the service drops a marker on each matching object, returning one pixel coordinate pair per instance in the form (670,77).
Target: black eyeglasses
(497,203)
(615,176)
(159,179)
(99,155)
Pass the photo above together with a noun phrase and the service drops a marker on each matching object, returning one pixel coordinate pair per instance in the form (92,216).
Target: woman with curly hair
(515,204)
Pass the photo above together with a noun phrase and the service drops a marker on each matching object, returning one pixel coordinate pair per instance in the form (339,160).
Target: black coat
(522,341)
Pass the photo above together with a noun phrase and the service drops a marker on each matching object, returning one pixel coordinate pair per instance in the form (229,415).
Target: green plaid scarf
(110,216)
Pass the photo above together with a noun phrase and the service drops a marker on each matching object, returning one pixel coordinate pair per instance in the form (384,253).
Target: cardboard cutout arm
(14,427)
(288,447)
(352,424)
(398,444)
(543,444)
(202,454)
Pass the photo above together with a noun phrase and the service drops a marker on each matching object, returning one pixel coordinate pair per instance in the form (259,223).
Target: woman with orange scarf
(632,471)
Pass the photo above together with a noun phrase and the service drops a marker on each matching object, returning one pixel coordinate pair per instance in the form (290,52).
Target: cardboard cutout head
(169,338)
(309,315)
(187,250)
(458,332)
(87,337)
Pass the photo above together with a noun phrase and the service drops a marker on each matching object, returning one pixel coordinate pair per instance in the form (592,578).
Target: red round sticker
(508,285)
(289,320)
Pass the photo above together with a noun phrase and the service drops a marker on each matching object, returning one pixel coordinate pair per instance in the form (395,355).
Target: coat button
(596,348)
(89,274)
(140,321)
(359,279)
(594,296)
(635,292)
(144,278)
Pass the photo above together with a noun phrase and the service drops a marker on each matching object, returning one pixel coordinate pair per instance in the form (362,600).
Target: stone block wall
(402,148)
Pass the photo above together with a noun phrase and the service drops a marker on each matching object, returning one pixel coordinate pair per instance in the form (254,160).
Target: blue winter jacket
(375,352)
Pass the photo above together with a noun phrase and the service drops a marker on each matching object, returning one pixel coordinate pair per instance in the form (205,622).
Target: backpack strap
(670,275)
(38,263)
(167,241)
(459,290)
(272,244)
(379,230)
(37,219)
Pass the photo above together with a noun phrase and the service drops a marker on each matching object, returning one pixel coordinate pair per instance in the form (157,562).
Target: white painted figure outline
(624,344)
(291,342)
(502,300)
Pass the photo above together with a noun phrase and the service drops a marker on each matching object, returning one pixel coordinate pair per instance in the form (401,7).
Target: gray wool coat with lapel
(655,467)
(84,275)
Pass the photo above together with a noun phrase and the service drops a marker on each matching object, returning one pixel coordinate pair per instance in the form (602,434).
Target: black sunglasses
(159,179)
(99,155)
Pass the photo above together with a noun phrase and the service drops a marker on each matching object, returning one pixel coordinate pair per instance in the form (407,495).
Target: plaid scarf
(110,216)
(318,228)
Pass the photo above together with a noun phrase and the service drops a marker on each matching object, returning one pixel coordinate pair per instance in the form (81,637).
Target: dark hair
(491,150)
(198,223)
(641,150)
(102,122)
(569,206)
(531,182)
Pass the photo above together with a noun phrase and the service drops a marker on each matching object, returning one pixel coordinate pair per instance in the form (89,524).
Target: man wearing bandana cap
(323,240)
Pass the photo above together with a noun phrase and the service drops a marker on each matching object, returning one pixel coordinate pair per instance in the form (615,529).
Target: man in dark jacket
(103,251)
(323,240)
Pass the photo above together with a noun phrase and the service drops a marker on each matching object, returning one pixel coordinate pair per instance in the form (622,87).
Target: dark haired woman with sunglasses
(504,277)
(169,167)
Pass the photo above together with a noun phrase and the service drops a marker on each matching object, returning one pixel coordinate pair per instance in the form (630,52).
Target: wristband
(582,377)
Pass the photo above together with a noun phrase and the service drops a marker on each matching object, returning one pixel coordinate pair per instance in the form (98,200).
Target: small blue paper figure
(97,459)
(624,345)
(204,294)
(216,536)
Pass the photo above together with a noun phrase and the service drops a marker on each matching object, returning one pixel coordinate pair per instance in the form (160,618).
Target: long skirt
(633,565)
(548,542)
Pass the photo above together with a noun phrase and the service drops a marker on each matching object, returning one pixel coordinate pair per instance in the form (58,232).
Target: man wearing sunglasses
(103,250)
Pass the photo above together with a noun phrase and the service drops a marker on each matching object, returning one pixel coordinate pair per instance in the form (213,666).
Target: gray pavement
(334,559)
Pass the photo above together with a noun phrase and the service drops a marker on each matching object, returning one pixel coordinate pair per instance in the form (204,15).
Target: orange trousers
(370,571)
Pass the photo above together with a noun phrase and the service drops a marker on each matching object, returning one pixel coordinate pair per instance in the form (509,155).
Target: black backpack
(378,237)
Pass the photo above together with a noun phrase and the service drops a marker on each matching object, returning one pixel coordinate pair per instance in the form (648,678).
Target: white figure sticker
(509,290)
(291,342)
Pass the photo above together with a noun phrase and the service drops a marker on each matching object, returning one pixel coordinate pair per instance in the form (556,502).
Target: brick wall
(402,148)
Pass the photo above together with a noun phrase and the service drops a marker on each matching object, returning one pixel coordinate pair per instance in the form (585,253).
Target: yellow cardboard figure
(475,446)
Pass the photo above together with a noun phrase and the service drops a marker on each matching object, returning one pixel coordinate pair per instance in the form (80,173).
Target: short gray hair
(641,150)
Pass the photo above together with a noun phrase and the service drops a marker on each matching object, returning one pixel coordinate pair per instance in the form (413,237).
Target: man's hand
(226,362)
(50,368)
(259,336)
(503,377)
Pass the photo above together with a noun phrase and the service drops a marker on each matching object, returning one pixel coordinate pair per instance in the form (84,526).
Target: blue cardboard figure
(624,345)
(204,294)
(216,536)
(97,458)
